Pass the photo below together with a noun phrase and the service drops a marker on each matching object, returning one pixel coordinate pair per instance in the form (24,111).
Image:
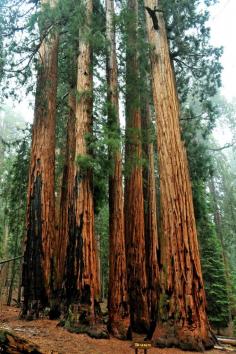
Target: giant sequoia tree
(66,121)
(80,279)
(118,296)
(134,203)
(65,191)
(182,318)
(38,257)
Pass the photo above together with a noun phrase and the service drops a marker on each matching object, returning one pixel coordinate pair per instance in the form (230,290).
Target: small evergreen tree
(211,259)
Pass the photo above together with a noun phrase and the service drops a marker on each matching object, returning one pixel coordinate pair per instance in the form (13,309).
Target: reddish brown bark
(134,207)
(81,281)
(38,256)
(119,321)
(150,215)
(65,192)
(182,319)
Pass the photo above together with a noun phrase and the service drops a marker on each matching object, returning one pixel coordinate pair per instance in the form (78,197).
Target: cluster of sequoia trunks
(155,283)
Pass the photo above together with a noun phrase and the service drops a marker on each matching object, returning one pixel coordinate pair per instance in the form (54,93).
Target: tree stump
(10,343)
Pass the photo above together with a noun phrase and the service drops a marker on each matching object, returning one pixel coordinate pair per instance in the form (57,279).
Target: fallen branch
(230,341)
(11,259)
(219,347)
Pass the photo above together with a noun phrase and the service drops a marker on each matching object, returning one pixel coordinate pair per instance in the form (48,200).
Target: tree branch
(11,259)
(182,63)
(226,146)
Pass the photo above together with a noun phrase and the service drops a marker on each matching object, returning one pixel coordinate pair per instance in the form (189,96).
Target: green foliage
(212,262)
(18,21)
(199,158)
(14,198)
(15,193)
(85,162)
(224,201)
(197,65)
(14,146)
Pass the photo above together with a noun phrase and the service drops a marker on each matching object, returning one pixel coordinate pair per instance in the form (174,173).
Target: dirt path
(53,339)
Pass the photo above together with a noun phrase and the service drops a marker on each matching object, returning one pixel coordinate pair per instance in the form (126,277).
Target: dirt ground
(52,339)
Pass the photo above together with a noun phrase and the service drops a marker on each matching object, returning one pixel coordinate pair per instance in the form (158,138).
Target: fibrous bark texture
(150,214)
(68,174)
(38,264)
(81,280)
(134,207)
(119,321)
(182,319)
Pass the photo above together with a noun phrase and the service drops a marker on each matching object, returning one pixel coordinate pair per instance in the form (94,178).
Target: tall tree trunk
(182,319)
(13,267)
(99,265)
(19,293)
(150,214)
(68,175)
(5,237)
(118,308)
(134,207)
(38,264)
(81,284)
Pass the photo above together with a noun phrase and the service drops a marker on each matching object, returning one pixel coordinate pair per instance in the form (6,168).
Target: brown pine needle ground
(53,339)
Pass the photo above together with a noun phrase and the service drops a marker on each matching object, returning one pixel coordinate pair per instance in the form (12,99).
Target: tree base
(120,329)
(33,309)
(183,338)
(11,344)
(36,310)
(80,319)
(96,331)
(140,326)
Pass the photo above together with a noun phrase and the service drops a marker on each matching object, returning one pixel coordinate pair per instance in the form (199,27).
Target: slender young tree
(182,319)
(38,256)
(134,204)
(213,270)
(81,281)
(119,321)
(219,231)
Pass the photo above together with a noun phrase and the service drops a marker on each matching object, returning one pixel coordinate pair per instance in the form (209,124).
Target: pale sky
(223,33)
(222,23)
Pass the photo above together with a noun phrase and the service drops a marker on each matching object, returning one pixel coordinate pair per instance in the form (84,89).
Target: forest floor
(55,340)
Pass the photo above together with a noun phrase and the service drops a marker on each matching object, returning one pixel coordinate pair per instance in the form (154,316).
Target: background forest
(212,166)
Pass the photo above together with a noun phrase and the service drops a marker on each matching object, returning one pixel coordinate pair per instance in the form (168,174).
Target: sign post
(141,345)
